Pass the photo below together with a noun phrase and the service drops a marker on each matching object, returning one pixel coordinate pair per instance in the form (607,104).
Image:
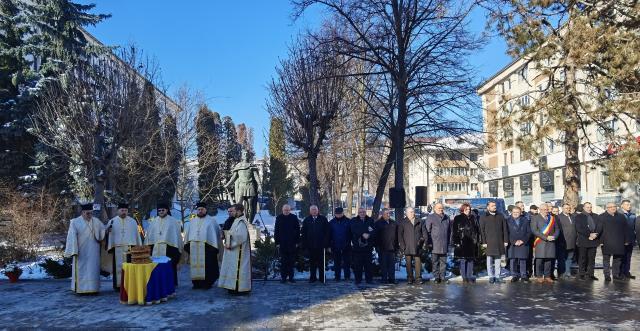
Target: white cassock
(163,232)
(235,273)
(123,235)
(83,244)
(200,232)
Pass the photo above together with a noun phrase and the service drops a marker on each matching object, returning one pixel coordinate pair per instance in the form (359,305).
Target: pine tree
(230,152)
(587,53)
(208,140)
(280,185)
(15,143)
(173,155)
(245,139)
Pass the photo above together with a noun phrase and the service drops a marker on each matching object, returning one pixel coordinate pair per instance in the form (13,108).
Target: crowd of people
(201,237)
(542,243)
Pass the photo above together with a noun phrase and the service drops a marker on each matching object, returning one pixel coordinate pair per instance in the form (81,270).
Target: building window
(547,181)
(451,187)
(473,157)
(525,129)
(474,186)
(525,185)
(511,157)
(524,73)
(606,184)
(551,145)
(607,128)
(507,187)
(493,188)
(474,172)
(504,157)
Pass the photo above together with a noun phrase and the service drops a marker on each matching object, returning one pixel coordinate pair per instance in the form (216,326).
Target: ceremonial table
(147,283)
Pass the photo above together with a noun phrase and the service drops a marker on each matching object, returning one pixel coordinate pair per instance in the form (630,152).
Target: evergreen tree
(208,140)
(585,56)
(15,143)
(280,185)
(173,155)
(230,151)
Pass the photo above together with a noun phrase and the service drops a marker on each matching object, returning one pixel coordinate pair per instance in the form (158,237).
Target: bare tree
(97,119)
(307,96)
(418,49)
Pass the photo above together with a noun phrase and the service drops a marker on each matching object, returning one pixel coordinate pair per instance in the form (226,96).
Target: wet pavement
(571,304)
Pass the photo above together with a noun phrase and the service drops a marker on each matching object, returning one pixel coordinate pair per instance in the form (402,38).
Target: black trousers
(362,263)
(586,261)
(342,262)
(543,267)
(316,264)
(211,268)
(439,262)
(387,265)
(607,266)
(287,259)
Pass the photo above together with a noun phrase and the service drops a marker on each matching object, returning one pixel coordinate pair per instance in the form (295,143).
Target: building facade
(512,175)
(451,172)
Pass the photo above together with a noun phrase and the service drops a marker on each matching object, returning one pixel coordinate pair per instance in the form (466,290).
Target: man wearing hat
(341,244)
(122,233)
(165,236)
(202,238)
(83,244)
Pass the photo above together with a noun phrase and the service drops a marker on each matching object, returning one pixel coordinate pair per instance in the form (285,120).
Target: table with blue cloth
(147,283)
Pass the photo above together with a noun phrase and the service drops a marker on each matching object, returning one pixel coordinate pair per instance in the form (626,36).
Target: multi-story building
(453,172)
(512,174)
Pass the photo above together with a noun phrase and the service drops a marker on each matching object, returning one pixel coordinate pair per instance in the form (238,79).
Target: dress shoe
(438,280)
(410,281)
(312,280)
(607,278)
(619,278)
(423,281)
(492,280)
(526,280)
(593,278)
(291,280)
(515,279)
(630,276)
(473,280)
(283,280)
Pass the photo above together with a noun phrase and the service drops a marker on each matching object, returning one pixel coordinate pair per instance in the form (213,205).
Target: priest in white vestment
(83,244)
(122,233)
(202,236)
(235,274)
(164,235)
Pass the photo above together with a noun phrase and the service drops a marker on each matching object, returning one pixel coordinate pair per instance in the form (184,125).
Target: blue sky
(228,49)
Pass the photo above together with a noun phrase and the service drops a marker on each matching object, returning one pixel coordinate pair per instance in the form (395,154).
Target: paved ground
(565,305)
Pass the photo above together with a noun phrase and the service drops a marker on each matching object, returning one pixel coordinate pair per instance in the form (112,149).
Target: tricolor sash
(546,231)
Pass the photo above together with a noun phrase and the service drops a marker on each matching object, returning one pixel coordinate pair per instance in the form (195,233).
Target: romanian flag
(147,283)
(546,231)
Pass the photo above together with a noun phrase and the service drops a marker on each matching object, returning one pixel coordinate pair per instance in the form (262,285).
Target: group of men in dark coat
(350,241)
(539,238)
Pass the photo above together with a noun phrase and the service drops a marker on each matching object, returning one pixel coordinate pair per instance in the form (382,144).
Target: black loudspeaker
(397,198)
(421,196)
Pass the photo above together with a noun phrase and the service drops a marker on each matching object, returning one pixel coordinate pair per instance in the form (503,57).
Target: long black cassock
(202,235)
(165,238)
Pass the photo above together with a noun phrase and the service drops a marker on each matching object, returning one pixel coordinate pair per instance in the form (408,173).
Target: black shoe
(438,280)
(607,278)
(358,282)
(283,280)
(593,278)
(619,278)
(473,280)
(312,280)
(393,282)
(423,281)
(630,276)
(410,282)
(492,280)
(337,280)
(292,281)
(515,279)
(526,279)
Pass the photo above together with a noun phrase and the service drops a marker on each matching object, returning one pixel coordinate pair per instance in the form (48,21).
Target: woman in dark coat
(465,236)
(519,237)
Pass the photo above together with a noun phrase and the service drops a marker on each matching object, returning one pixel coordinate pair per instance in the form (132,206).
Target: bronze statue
(245,176)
